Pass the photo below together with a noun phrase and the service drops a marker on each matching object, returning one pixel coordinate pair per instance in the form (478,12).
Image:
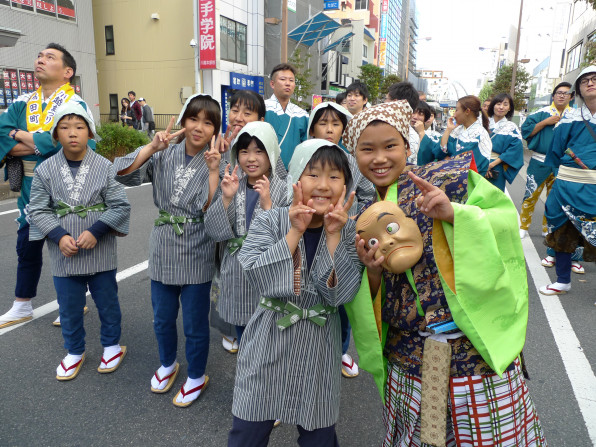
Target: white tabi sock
(19,309)
(68,361)
(190,385)
(162,372)
(108,353)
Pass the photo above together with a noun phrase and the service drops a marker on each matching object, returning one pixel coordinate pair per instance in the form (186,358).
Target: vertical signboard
(383,33)
(207,34)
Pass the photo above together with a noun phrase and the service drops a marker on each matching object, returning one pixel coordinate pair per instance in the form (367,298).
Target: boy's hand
(419,128)
(229,183)
(213,155)
(86,240)
(300,214)
(262,187)
(337,215)
(367,256)
(162,139)
(68,246)
(433,202)
(229,137)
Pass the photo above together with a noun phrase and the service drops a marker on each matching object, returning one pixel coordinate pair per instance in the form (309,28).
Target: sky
(458,27)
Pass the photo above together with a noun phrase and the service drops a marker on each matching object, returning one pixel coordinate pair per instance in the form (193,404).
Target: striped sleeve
(135,178)
(219,222)
(117,215)
(339,278)
(266,258)
(41,214)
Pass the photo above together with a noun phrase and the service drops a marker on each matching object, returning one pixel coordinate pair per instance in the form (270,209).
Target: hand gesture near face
(229,184)
(213,155)
(229,137)
(300,214)
(162,139)
(451,124)
(262,187)
(419,127)
(433,202)
(337,215)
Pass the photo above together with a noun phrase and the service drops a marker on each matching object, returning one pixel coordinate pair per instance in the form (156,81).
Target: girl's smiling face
(199,131)
(329,127)
(253,161)
(381,154)
(324,184)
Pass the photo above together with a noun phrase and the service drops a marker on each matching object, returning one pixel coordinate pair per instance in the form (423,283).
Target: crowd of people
(263,220)
(137,114)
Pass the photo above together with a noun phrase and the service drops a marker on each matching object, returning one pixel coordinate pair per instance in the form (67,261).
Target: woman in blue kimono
(507,156)
(464,133)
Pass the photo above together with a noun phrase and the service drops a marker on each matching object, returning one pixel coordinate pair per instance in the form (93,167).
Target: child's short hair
(325,112)
(70,116)
(424,108)
(249,99)
(333,156)
(245,139)
(207,104)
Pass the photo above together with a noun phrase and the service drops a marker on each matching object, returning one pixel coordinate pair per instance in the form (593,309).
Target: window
(114,111)
(232,41)
(573,57)
(14,83)
(47,7)
(62,9)
(66,10)
(364,51)
(5,2)
(361,4)
(344,47)
(26,5)
(110,40)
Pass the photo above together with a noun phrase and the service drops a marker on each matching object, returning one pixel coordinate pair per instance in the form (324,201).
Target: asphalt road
(119,409)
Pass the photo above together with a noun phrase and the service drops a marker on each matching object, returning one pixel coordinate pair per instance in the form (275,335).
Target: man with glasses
(537,130)
(571,205)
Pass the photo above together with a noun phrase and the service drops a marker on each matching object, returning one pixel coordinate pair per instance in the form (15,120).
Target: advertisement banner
(207,34)
(316,100)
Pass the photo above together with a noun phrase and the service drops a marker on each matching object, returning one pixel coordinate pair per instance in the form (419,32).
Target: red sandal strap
(70,367)
(348,365)
(113,358)
(194,390)
(166,377)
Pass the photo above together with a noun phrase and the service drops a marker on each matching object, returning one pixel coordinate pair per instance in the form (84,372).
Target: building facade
(36,24)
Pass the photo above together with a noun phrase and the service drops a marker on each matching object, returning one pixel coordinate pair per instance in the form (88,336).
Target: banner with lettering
(207,55)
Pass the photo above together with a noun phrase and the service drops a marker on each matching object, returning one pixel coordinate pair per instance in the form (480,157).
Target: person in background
(421,95)
(288,120)
(357,96)
(406,90)
(125,113)
(148,122)
(341,99)
(137,111)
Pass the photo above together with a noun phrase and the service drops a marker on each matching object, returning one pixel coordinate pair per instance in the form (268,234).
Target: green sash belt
(293,314)
(166,218)
(64,208)
(235,244)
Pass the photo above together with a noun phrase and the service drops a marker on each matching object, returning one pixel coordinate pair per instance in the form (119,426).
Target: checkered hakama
(482,411)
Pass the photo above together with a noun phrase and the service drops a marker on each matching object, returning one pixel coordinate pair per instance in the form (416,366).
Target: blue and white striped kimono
(508,147)
(181,190)
(94,184)
(475,138)
(293,374)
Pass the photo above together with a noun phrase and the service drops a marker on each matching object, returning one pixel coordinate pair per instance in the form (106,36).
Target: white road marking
(577,366)
(53,305)
(9,211)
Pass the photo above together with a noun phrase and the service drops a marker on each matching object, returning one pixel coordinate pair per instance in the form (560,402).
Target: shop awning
(338,42)
(367,33)
(314,29)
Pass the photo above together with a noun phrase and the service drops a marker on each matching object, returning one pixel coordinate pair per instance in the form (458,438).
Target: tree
(304,87)
(486,92)
(388,81)
(590,53)
(371,75)
(502,84)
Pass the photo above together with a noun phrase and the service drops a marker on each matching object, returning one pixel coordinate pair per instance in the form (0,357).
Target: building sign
(207,55)
(383,34)
(238,81)
(331,5)
(292,5)
(316,100)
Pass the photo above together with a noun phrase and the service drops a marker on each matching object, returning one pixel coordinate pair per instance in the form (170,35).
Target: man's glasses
(563,94)
(585,81)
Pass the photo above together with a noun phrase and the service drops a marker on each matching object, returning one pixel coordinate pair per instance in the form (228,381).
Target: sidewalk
(6,193)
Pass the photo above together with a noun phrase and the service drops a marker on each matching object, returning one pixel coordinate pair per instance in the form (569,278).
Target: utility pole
(521,8)
(284,31)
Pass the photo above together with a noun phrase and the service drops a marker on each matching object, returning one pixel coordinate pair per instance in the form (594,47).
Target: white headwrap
(71,108)
(190,98)
(266,134)
(340,109)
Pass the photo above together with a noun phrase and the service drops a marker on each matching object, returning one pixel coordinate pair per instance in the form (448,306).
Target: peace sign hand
(433,202)
(162,139)
(213,155)
(229,183)
(337,215)
(262,187)
(300,214)
(229,137)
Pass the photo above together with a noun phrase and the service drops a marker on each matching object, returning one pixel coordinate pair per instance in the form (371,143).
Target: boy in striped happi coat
(242,197)
(80,208)
(185,176)
(442,340)
(303,263)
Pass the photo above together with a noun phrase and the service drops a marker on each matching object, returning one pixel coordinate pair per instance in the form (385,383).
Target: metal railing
(161,120)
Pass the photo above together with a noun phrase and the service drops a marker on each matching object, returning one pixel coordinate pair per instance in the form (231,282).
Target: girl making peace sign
(185,176)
